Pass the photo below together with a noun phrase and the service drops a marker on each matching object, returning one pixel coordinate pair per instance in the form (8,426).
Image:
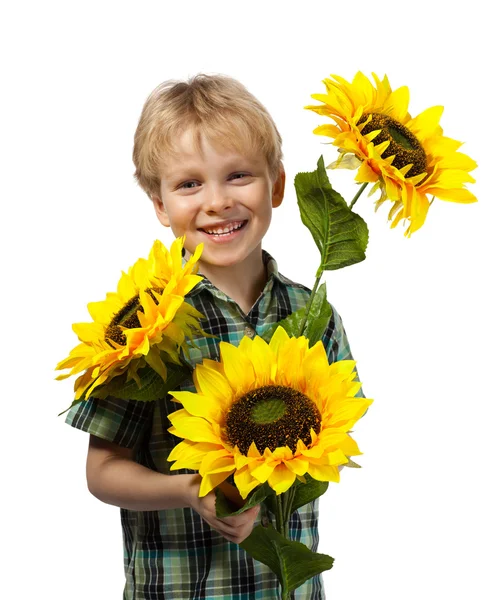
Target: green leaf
(291,324)
(309,491)
(151,387)
(225,508)
(292,562)
(319,316)
(351,464)
(259,545)
(73,404)
(340,234)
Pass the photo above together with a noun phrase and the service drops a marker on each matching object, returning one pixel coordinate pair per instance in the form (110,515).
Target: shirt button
(249,331)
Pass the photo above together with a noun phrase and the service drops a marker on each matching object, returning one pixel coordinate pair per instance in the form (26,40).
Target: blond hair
(217,107)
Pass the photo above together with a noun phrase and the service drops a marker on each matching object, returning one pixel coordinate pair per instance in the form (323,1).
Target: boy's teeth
(228,229)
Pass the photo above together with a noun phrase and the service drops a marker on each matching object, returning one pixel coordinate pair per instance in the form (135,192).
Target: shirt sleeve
(336,343)
(115,420)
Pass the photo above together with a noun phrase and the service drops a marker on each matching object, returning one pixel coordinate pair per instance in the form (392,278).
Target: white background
(417,520)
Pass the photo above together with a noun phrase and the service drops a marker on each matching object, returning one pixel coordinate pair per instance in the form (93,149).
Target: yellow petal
(324,472)
(281,479)
(328,130)
(279,338)
(366,174)
(88,332)
(426,124)
(244,482)
(397,104)
(103,312)
(238,369)
(199,405)
(458,160)
(210,482)
(214,384)
(195,429)
(126,287)
(263,471)
(191,451)
(297,466)
(217,461)
(459,195)
(260,355)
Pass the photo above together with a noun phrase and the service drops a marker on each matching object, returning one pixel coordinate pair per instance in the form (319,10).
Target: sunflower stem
(282,527)
(356,197)
(292,493)
(288,498)
(285,522)
(319,273)
(279,515)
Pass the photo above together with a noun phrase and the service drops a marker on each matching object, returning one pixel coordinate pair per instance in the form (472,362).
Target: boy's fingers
(245,517)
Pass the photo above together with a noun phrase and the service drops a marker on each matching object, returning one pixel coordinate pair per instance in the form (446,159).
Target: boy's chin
(229,257)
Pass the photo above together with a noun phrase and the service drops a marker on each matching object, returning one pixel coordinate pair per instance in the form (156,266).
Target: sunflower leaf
(291,324)
(226,508)
(307,492)
(259,545)
(340,234)
(350,463)
(317,322)
(292,562)
(319,316)
(151,386)
(74,402)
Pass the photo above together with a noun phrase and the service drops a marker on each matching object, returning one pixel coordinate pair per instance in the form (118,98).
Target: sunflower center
(268,411)
(403,144)
(127,317)
(272,416)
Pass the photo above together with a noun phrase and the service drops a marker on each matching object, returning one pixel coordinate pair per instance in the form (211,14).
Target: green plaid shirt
(174,554)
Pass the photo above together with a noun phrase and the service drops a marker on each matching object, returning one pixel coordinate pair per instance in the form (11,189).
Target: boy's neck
(243,282)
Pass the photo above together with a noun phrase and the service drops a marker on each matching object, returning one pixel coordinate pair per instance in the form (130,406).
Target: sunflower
(406,158)
(145,321)
(267,413)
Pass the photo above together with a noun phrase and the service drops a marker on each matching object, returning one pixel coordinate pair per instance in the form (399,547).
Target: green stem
(283,528)
(292,492)
(279,515)
(285,501)
(288,500)
(319,273)
(356,197)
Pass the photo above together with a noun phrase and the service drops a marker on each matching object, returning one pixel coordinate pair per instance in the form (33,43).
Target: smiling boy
(209,156)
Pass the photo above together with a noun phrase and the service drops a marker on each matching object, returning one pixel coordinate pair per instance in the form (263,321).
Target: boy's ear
(161,213)
(278,188)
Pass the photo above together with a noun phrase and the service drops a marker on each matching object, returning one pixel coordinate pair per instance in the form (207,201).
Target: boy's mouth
(223,230)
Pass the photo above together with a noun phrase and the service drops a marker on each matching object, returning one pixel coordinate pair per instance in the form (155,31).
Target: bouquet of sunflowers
(272,412)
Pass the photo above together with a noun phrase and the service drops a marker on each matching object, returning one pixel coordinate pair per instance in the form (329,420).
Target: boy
(208,155)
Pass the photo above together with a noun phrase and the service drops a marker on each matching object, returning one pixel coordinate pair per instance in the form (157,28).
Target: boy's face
(220,198)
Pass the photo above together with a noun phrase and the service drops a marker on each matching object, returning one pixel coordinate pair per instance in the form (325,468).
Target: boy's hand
(236,528)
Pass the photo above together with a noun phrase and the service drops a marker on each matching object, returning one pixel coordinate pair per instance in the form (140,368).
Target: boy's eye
(190,185)
(187,185)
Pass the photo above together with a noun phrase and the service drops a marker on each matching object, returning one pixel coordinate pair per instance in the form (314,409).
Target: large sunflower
(268,413)
(145,321)
(407,158)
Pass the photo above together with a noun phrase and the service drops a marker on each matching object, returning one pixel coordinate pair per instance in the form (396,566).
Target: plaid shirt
(174,554)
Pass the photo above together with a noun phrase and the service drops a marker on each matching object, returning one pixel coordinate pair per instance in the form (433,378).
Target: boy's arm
(114,478)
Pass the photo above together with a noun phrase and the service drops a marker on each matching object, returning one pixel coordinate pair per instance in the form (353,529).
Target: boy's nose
(217,200)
